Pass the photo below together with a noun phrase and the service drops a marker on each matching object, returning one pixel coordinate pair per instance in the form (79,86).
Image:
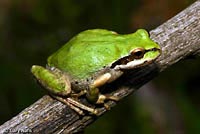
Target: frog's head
(140,51)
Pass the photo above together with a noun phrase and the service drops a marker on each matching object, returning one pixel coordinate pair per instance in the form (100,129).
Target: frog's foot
(77,106)
(102,98)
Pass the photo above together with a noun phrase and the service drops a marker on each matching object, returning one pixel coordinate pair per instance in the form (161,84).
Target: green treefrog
(91,60)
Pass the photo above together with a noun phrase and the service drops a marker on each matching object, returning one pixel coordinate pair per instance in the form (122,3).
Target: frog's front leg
(93,93)
(109,77)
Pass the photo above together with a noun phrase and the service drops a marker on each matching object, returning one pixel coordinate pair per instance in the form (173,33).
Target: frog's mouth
(130,62)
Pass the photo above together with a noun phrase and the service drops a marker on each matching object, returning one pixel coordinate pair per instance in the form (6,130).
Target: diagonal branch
(179,38)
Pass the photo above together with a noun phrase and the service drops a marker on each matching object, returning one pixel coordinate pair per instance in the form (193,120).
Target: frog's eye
(138,53)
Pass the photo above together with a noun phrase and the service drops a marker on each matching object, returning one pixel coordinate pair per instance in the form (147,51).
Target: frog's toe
(107,107)
(112,97)
(101,99)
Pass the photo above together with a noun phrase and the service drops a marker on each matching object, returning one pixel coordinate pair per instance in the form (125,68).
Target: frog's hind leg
(78,110)
(82,106)
(76,106)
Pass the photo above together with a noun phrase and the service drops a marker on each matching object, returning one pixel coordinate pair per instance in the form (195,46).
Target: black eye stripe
(130,57)
(120,61)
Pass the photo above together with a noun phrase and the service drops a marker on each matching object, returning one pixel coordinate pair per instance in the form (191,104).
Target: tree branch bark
(179,38)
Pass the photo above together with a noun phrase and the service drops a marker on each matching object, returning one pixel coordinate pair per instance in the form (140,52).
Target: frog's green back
(90,50)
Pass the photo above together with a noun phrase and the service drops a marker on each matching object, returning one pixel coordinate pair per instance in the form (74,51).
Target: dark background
(32,30)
